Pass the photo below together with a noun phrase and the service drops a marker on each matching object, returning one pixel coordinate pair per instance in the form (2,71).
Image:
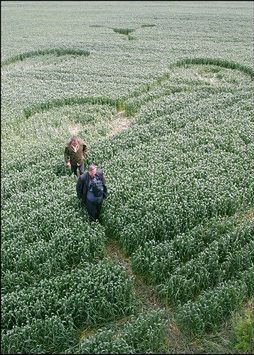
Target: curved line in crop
(45,106)
(219,62)
(120,102)
(56,51)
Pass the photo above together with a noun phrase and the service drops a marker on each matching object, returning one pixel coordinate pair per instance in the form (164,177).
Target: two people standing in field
(91,186)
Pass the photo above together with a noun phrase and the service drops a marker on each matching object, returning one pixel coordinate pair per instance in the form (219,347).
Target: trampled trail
(149,300)
(120,123)
(143,292)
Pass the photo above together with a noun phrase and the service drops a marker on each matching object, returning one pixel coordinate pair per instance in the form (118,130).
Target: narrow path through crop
(176,342)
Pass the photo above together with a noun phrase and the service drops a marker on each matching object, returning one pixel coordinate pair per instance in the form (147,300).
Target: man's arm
(105,190)
(80,187)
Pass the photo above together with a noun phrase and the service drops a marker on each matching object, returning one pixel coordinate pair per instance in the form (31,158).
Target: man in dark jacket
(74,155)
(91,191)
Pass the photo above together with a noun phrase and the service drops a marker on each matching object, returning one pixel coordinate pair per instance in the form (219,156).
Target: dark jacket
(83,183)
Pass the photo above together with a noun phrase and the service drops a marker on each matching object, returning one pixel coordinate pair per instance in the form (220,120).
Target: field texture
(162,93)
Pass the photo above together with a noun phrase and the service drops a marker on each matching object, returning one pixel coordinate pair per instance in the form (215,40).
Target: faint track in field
(176,342)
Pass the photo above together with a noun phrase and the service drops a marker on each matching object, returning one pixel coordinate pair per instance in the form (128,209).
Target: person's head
(74,141)
(92,168)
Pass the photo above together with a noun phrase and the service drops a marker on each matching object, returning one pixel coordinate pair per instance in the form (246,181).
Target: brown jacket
(75,157)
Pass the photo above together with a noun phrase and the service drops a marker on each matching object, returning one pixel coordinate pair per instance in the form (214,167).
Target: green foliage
(220,62)
(147,25)
(183,163)
(45,106)
(92,294)
(54,51)
(142,334)
(195,159)
(70,249)
(156,262)
(123,31)
(48,336)
(243,333)
(131,38)
(220,261)
(212,307)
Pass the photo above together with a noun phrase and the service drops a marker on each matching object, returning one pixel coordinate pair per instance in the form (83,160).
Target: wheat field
(162,93)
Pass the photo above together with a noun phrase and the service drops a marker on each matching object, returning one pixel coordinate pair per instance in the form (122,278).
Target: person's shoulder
(100,173)
(81,141)
(84,175)
(68,143)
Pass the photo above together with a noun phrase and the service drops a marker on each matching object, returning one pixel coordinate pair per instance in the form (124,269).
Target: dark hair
(91,165)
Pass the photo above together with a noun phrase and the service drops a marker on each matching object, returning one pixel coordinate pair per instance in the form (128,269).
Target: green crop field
(162,93)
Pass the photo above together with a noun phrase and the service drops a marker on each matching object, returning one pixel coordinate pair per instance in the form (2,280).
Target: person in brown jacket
(74,155)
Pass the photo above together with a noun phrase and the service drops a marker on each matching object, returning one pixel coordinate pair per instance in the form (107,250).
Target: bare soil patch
(120,123)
